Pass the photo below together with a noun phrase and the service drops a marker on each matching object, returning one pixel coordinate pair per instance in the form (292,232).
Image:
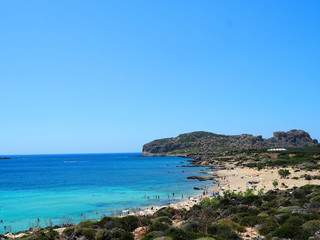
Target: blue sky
(109,76)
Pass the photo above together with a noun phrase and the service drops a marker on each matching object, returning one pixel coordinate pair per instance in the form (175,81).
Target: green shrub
(284,172)
(163,212)
(263,214)
(158,226)
(178,234)
(123,236)
(269,205)
(250,199)
(87,224)
(87,233)
(268,227)
(163,238)
(205,238)
(293,232)
(310,216)
(316,198)
(269,197)
(151,235)
(294,221)
(106,222)
(313,225)
(129,223)
(163,219)
(224,231)
(235,226)
(282,218)
(103,235)
(68,231)
(251,221)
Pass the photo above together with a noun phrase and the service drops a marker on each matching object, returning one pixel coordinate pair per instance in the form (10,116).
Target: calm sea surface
(87,186)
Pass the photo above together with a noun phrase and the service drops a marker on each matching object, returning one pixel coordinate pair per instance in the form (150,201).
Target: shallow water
(77,187)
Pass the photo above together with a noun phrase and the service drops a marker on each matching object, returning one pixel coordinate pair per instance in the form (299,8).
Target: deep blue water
(87,186)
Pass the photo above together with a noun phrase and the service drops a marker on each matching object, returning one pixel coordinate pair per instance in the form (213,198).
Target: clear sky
(109,76)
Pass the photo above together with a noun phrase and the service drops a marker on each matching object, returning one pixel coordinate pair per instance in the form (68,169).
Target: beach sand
(237,178)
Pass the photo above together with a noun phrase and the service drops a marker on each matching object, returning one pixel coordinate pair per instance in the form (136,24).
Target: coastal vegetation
(236,212)
(207,143)
(277,214)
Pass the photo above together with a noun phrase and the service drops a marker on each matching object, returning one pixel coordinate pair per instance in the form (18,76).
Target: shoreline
(235,179)
(228,177)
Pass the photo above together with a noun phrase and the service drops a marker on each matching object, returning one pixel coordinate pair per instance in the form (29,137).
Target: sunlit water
(76,187)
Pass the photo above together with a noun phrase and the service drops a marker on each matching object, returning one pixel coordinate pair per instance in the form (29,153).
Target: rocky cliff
(206,142)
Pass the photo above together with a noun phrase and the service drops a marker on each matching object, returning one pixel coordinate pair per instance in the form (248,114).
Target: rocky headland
(207,143)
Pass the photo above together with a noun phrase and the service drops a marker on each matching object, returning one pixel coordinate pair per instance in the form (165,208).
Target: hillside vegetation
(211,143)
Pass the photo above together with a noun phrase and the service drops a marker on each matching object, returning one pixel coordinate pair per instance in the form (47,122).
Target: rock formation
(206,142)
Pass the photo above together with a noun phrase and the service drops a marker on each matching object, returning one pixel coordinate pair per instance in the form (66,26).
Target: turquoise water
(77,187)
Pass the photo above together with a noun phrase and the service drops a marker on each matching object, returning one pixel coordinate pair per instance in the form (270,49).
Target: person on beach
(172,194)
(169,204)
(182,196)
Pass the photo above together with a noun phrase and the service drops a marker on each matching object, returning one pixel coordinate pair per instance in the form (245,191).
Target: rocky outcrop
(206,142)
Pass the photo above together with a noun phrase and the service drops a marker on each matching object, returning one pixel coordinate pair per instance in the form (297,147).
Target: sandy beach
(236,179)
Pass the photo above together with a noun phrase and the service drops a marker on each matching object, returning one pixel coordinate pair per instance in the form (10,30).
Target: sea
(44,190)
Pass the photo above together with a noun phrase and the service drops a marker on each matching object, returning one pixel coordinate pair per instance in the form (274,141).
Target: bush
(68,231)
(294,221)
(250,199)
(129,223)
(158,226)
(152,235)
(251,221)
(283,173)
(123,236)
(269,197)
(311,216)
(191,227)
(163,238)
(163,212)
(205,238)
(178,234)
(268,227)
(235,226)
(269,205)
(313,225)
(103,235)
(87,233)
(263,214)
(163,220)
(106,222)
(293,232)
(307,177)
(224,231)
(87,224)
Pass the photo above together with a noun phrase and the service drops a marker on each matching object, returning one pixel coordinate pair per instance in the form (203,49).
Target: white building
(277,149)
